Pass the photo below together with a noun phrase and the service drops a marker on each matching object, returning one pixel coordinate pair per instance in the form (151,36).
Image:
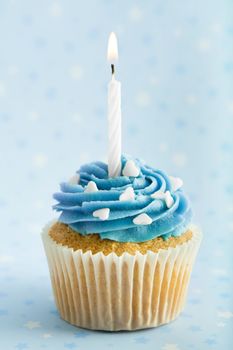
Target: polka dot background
(176,69)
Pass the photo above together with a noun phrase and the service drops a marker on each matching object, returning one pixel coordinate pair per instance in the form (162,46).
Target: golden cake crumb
(64,235)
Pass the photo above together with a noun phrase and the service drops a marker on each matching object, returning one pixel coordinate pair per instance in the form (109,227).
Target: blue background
(176,69)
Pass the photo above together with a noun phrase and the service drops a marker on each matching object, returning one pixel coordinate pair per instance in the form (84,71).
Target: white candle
(114,113)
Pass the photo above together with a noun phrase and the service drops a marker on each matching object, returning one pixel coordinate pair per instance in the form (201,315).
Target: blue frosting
(77,206)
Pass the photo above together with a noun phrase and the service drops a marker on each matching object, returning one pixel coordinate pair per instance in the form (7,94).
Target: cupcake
(121,252)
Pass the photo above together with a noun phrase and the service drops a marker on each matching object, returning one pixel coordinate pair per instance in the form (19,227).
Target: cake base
(64,235)
(125,292)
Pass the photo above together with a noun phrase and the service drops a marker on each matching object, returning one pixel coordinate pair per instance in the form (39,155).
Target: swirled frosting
(162,216)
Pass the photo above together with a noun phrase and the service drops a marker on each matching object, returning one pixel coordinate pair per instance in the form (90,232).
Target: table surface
(176,69)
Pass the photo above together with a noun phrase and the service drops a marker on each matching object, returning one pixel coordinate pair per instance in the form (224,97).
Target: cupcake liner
(124,292)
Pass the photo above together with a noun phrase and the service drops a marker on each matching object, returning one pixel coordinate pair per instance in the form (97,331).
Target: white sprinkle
(102,214)
(130,169)
(127,195)
(91,187)
(74,180)
(142,219)
(168,199)
(176,183)
(158,195)
(164,196)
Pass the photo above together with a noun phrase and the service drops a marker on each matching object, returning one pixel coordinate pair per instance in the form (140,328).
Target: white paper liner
(124,292)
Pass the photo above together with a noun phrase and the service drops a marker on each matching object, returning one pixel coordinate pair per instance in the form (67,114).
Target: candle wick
(113,69)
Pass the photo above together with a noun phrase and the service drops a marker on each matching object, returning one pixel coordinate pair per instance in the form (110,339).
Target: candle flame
(112,48)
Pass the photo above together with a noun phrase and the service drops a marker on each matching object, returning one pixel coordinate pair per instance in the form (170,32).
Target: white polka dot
(46,335)
(33,116)
(6,259)
(163,147)
(197,291)
(154,81)
(230,209)
(38,204)
(32,324)
(12,70)
(204,45)
(143,99)
(2,89)
(170,347)
(219,272)
(40,160)
(191,99)
(84,157)
(221,324)
(179,159)
(178,33)
(34,228)
(135,14)
(216,28)
(218,253)
(76,72)
(76,118)
(55,10)
(231,226)
(230,106)
(225,314)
